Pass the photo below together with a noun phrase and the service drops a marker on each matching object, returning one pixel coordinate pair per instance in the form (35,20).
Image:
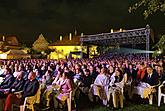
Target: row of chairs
(124,82)
(30,101)
(159,94)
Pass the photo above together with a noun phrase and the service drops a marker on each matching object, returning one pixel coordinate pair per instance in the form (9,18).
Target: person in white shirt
(100,86)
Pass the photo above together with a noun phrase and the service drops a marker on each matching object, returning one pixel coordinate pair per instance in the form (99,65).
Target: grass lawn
(136,105)
(132,108)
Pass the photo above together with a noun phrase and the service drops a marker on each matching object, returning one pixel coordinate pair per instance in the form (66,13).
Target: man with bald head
(30,89)
(31,86)
(18,83)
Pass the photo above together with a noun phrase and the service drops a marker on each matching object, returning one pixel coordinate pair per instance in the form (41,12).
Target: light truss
(135,36)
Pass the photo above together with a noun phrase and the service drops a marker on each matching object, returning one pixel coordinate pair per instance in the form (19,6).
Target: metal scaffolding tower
(135,36)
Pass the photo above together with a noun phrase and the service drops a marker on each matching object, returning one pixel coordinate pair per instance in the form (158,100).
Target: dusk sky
(28,18)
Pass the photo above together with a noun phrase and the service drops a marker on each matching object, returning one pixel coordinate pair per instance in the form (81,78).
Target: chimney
(75,32)
(111,30)
(60,37)
(70,36)
(3,38)
(82,34)
(121,30)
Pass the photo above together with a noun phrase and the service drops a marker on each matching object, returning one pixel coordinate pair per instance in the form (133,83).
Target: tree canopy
(150,6)
(160,46)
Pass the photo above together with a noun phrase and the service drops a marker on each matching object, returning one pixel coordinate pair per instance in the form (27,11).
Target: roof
(10,40)
(40,44)
(66,42)
(15,52)
(41,40)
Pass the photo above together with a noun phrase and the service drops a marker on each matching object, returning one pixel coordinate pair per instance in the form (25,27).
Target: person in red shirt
(141,72)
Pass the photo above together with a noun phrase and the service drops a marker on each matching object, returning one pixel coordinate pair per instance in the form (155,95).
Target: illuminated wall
(3,56)
(93,50)
(62,52)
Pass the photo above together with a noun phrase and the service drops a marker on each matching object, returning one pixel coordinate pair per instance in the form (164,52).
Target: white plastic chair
(30,101)
(161,94)
(150,90)
(118,95)
(1,79)
(153,92)
(72,98)
(69,101)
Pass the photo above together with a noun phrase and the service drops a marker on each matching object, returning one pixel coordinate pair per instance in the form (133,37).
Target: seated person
(150,79)
(141,72)
(161,73)
(131,72)
(59,74)
(21,69)
(50,88)
(2,69)
(16,71)
(65,87)
(30,89)
(100,86)
(46,80)
(18,83)
(71,73)
(38,75)
(6,84)
(116,88)
(78,76)
(86,81)
(93,72)
(26,72)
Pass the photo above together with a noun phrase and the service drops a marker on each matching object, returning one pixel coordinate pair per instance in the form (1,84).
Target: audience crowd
(101,77)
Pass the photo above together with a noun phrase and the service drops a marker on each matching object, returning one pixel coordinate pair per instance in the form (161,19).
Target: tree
(32,51)
(48,51)
(160,46)
(103,49)
(151,6)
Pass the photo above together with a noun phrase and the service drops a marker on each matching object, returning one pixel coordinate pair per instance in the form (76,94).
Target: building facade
(70,47)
